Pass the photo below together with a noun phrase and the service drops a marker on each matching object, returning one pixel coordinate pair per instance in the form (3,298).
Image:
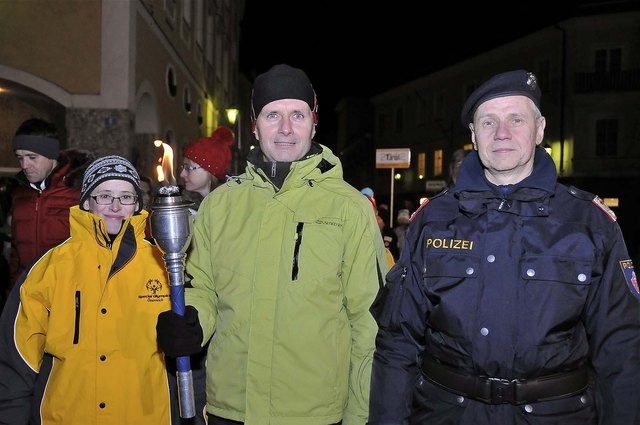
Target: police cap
(512,83)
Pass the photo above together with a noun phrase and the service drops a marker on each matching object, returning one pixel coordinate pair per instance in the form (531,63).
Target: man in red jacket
(40,205)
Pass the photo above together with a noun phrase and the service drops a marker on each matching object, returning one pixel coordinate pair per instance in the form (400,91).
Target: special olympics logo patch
(153,286)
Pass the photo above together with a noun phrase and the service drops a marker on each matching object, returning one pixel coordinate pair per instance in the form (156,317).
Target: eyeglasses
(104,199)
(190,168)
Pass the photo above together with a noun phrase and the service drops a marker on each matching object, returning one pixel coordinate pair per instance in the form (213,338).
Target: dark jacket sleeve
(612,321)
(400,311)
(17,379)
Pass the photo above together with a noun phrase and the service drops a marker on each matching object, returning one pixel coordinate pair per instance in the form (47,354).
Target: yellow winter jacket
(85,322)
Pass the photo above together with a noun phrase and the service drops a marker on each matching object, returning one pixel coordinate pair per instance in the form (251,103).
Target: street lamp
(233,115)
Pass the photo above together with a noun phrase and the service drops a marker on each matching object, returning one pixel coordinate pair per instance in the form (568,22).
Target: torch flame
(164,169)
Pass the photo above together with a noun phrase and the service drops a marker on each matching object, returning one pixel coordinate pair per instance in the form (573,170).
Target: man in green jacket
(287,259)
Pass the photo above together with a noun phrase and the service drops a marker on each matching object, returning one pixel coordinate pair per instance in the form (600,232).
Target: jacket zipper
(296,251)
(76,330)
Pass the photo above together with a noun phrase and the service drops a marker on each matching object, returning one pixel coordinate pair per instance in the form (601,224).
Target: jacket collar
(86,225)
(315,165)
(472,178)
(529,197)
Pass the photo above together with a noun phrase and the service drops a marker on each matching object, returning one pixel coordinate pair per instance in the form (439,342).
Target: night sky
(351,48)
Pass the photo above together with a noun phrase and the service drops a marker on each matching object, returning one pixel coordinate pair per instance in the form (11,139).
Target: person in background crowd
(286,261)
(385,212)
(367,191)
(6,188)
(146,186)
(454,166)
(514,300)
(40,204)
(400,229)
(388,235)
(206,163)
(387,241)
(77,337)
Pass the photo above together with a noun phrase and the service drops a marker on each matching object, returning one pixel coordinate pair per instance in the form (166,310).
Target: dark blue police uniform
(509,305)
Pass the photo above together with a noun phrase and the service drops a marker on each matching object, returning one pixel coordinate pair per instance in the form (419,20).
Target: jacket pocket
(76,325)
(296,251)
(316,250)
(556,269)
(456,266)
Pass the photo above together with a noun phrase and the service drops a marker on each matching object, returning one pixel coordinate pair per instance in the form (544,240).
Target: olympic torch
(171,225)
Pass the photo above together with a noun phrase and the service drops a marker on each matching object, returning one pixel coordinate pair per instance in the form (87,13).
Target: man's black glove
(179,335)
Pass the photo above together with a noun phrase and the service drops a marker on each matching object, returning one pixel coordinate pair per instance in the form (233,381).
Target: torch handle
(175,267)
(171,224)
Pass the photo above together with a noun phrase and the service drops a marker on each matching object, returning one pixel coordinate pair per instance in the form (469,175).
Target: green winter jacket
(283,283)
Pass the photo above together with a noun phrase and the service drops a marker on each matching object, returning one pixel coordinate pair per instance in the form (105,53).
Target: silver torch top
(171,220)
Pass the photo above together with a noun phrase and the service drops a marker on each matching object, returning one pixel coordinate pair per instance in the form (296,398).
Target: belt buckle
(503,390)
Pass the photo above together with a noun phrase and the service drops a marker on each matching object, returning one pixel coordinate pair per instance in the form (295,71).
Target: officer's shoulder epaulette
(580,194)
(425,202)
(420,208)
(441,193)
(594,199)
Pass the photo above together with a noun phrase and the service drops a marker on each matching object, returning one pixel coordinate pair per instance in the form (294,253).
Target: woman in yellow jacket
(77,336)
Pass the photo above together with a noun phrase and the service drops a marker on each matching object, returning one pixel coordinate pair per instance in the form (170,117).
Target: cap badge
(531,81)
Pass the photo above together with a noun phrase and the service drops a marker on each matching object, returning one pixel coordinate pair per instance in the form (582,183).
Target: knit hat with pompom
(212,153)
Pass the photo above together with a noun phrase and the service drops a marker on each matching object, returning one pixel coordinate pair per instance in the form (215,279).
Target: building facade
(114,76)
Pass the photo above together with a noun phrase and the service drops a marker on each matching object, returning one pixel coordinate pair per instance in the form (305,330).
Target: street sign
(393,158)
(435,185)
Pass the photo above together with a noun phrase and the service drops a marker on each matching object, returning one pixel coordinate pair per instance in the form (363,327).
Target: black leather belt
(498,391)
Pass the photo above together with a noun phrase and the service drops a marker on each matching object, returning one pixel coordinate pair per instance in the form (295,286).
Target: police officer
(514,300)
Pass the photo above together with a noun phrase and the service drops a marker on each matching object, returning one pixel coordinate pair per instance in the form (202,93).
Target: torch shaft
(174,263)
(171,228)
